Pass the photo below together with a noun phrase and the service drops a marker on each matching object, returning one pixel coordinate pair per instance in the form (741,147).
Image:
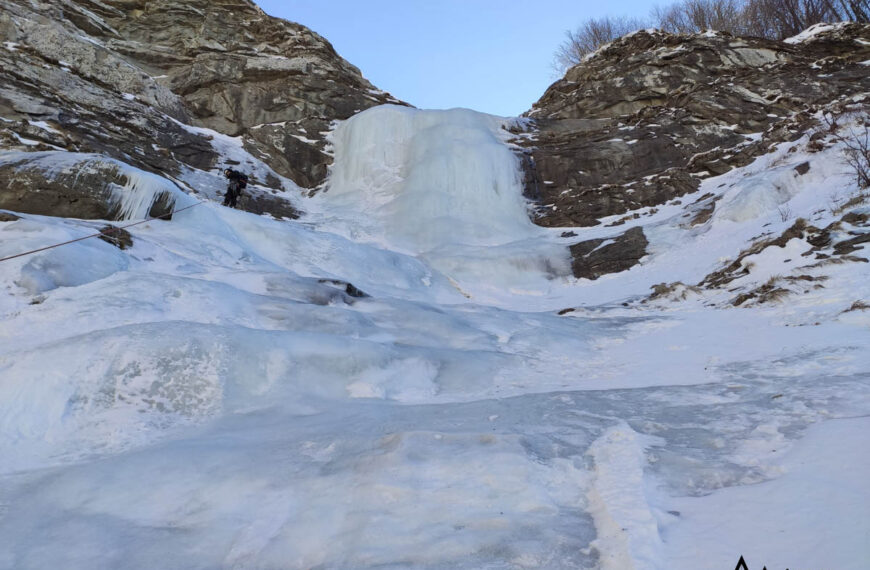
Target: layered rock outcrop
(77,185)
(152,83)
(244,73)
(596,257)
(64,90)
(644,119)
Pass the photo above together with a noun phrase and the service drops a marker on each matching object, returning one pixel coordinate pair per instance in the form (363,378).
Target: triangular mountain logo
(741,565)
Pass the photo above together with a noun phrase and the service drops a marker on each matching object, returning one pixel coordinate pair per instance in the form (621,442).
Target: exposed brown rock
(736,269)
(119,237)
(84,186)
(840,251)
(265,203)
(643,120)
(851,245)
(242,72)
(672,291)
(858,306)
(856,218)
(123,78)
(59,91)
(596,257)
(767,293)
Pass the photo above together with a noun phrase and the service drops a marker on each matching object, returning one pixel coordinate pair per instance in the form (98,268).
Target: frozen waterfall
(443,185)
(431,178)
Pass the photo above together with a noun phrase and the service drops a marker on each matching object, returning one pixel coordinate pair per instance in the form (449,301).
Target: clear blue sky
(493,56)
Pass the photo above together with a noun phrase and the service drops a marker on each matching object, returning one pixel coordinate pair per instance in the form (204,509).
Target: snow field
(819,497)
(90,260)
(213,398)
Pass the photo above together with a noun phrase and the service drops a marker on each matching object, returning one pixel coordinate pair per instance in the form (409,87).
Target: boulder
(119,237)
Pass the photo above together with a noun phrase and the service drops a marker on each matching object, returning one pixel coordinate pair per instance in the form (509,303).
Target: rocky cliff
(643,120)
(154,84)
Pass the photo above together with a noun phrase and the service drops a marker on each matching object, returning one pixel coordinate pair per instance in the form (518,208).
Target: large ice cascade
(431,178)
(441,184)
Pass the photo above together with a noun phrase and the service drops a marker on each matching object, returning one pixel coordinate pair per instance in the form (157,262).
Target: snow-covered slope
(217,396)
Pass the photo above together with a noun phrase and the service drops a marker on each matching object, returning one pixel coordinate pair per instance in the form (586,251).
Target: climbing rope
(101,233)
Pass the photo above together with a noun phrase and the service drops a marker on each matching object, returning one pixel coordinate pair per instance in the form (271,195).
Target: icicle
(135,198)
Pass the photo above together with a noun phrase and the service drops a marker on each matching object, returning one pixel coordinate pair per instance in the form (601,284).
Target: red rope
(109,231)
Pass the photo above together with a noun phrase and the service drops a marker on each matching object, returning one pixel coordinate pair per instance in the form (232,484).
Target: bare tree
(858,155)
(779,19)
(772,19)
(856,145)
(854,10)
(591,35)
(690,16)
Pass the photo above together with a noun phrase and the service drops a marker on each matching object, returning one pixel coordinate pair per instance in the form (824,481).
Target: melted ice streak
(441,185)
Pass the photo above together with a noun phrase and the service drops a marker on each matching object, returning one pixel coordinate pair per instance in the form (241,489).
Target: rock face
(244,73)
(596,257)
(644,119)
(61,90)
(87,186)
(141,81)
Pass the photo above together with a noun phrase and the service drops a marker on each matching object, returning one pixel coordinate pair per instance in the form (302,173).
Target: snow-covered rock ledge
(81,185)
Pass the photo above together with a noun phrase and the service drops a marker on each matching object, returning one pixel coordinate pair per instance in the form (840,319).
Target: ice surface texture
(213,398)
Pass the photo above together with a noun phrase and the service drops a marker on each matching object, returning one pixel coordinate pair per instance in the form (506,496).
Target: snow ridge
(628,536)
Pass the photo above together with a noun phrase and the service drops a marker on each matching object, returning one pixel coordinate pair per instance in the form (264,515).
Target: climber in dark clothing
(238,182)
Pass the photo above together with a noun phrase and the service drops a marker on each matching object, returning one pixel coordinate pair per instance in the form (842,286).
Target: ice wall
(423,180)
(442,186)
